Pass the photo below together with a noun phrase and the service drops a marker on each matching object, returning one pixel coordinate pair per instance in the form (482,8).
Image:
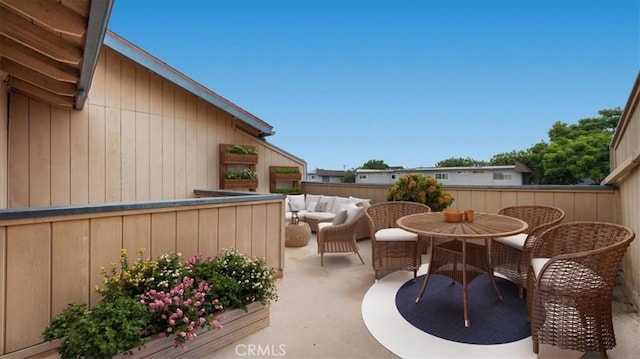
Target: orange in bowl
(453,216)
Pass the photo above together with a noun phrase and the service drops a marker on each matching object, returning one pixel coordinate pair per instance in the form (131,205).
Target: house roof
(517,167)
(333,173)
(49,48)
(247,121)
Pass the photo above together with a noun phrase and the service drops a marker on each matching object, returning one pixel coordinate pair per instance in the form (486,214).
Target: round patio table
(464,253)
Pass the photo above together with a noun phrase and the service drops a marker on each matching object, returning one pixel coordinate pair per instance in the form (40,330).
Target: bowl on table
(453,216)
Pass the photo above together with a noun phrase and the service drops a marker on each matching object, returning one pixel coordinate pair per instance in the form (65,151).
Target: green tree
(375,165)
(349,176)
(460,162)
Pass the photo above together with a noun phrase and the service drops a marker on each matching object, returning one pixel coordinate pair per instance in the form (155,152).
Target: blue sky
(408,82)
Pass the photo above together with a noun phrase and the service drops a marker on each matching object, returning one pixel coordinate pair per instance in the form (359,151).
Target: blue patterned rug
(440,311)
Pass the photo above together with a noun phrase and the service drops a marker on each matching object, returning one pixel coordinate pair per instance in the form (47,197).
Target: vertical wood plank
(244,214)
(259,227)
(168,158)
(588,208)
(208,231)
(3,285)
(39,154)
(190,147)
(113,156)
(142,90)
(98,82)
(201,145)
(566,202)
(105,244)
(155,95)
(29,285)
(187,233)
(113,69)
(60,157)
(163,233)
(19,152)
(275,237)
(227,232)
(128,85)
(4,153)
(70,264)
(128,153)
(136,234)
(180,159)
(155,157)
(168,99)
(142,156)
(97,156)
(79,157)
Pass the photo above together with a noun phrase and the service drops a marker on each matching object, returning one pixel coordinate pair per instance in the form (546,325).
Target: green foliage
(241,150)
(460,162)
(375,165)
(349,177)
(243,173)
(423,189)
(111,328)
(287,190)
(288,170)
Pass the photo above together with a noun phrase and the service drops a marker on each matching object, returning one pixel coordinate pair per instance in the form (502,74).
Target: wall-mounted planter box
(237,324)
(236,158)
(239,183)
(289,174)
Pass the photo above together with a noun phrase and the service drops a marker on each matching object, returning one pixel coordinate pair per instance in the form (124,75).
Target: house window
(442,176)
(501,176)
(362,177)
(393,176)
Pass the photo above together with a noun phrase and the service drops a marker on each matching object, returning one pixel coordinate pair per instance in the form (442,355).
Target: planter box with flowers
(164,306)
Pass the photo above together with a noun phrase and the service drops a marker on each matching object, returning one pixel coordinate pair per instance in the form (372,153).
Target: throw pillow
(320,207)
(308,198)
(311,207)
(340,217)
(296,202)
(352,212)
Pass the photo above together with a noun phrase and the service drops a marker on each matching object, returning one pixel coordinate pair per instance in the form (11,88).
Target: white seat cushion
(324,224)
(585,278)
(320,215)
(395,234)
(537,264)
(516,241)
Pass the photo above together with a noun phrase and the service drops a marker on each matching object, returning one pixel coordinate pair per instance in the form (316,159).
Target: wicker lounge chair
(393,248)
(510,255)
(337,238)
(571,278)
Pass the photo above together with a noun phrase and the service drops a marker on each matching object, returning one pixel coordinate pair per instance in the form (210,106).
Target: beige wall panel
(136,235)
(155,95)
(97,156)
(227,229)
(60,157)
(243,233)
(258,231)
(105,246)
(180,103)
(180,156)
(168,159)
(113,156)
(566,201)
(39,154)
(163,233)
(19,152)
(128,160)
(544,198)
(29,286)
(213,156)
(142,156)
(155,157)
(187,233)
(201,146)
(587,210)
(113,72)
(191,147)
(509,198)
(606,210)
(168,99)
(3,284)
(493,202)
(70,264)
(79,157)
(4,145)
(526,197)
(142,90)
(98,89)
(128,85)
(275,237)
(208,231)
(478,200)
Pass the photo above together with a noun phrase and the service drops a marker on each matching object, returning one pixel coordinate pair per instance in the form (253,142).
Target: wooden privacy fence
(50,257)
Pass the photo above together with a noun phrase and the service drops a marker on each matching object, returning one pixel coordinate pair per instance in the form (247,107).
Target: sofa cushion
(328,201)
(356,200)
(310,198)
(339,203)
(340,217)
(320,216)
(320,207)
(311,207)
(395,234)
(296,202)
(352,212)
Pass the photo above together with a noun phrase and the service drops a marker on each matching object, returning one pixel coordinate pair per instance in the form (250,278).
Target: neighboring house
(326,176)
(515,175)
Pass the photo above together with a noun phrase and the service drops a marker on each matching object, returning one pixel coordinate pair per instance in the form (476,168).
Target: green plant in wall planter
(244,173)
(287,190)
(241,150)
(167,297)
(288,170)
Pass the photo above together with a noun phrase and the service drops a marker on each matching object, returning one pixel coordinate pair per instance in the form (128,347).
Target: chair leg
(359,256)
(321,259)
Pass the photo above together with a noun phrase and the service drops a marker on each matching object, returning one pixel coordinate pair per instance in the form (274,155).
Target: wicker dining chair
(338,238)
(393,248)
(571,279)
(510,255)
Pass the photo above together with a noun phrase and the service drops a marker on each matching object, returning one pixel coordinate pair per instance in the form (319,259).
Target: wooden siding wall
(138,138)
(579,204)
(4,119)
(627,148)
(49,262)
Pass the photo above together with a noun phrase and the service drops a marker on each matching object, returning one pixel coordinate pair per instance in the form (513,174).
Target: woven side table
(297,235)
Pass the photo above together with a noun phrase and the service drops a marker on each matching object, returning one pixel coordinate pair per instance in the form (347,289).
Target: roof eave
(96,29)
